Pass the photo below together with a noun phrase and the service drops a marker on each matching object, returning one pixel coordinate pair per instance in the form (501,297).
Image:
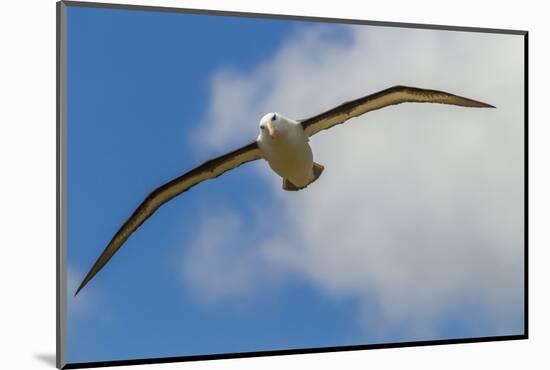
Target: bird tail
(317,171)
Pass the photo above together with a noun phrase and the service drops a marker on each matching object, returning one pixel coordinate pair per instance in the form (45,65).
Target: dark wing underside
(393,95)
(208,170)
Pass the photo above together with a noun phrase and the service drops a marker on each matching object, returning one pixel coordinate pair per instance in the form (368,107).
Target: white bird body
(288,152)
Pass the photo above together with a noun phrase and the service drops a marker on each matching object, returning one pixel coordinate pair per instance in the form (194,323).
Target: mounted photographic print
(236,185)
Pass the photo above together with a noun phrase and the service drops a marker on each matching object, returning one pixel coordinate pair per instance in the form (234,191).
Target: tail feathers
(317,171)
(288,186)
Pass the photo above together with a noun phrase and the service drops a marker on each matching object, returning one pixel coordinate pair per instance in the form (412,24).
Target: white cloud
(225,264)
(420,208)
(219,264)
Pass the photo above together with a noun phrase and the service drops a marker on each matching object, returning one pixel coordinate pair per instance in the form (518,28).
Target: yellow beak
(271,130)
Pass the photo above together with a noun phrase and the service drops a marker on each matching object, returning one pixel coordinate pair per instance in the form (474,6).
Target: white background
(27,184)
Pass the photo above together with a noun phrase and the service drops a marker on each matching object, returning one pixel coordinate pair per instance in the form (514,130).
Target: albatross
(284,144)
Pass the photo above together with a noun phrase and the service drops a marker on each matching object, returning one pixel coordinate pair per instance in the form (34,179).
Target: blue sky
(142,85)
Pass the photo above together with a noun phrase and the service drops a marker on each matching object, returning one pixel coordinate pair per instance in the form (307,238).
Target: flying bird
(284,144)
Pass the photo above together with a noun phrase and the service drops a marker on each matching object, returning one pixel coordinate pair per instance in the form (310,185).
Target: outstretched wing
(393,95)
(208,170)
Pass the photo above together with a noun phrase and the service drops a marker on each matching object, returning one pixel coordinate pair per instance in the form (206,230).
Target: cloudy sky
(413,232)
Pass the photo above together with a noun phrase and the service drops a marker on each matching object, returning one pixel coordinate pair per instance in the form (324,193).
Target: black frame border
(61,193)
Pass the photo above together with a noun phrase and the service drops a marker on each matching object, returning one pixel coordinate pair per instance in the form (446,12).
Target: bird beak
(271,130)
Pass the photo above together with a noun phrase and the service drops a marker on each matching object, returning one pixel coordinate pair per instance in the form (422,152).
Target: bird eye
(262,127)
(274,117)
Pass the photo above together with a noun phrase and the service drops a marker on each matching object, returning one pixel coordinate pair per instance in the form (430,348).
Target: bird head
(272,126)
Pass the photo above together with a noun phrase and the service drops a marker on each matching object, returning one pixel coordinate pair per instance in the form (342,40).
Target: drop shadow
(47,358)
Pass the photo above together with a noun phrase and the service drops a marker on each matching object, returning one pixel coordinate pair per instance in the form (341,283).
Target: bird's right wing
(208,170)
(393,95)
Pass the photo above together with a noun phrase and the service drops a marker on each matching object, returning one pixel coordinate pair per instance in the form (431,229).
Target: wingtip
(485,105)
(80,288)
(481,104)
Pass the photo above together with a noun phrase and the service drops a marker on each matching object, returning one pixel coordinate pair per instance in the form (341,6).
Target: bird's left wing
(208,170)
(393,95)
